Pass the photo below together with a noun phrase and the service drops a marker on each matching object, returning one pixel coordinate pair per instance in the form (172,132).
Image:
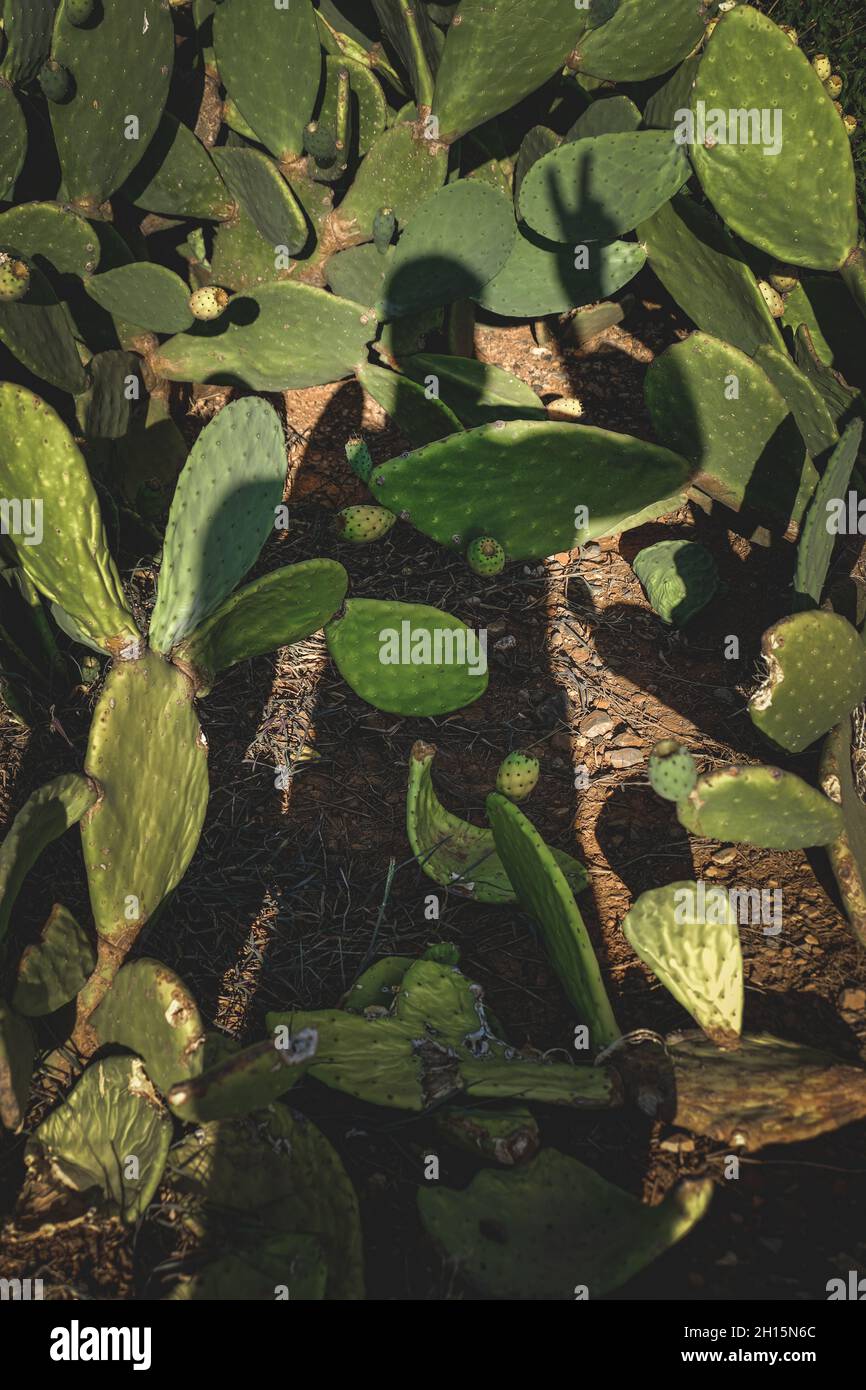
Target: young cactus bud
(850,124)
(365,523)
(517,776)
(833,85)
(384,227)
(792,33)
(784,279)
(208,302)
(773,300)
(358,456)
(80,12)
(672,770)
(485,556)
(821,64)
(14,278)
(55,81)
(321,144)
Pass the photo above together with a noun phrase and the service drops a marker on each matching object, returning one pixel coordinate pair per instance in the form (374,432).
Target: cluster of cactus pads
(283,196)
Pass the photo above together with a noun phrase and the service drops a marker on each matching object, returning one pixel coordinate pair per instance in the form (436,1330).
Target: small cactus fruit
(792,33)
(517,776)
(672,770)
(80,12)
(850,124)
(821,64)
(833,85)
(55,81)
(485,556)
(784,279)
(321,143)
(384,227)
(365,523)
(358,458)
(208,302)
(14,278)
(773,300)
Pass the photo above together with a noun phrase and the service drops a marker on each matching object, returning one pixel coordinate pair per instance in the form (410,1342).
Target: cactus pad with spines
(150,1011)
(282,607)
(421,417)
(26,42)
(54,969)
(147,753)
(815,547)
(45,815)
(281,337)
(540,277)
(112,1113)
(804,399)
(634,42)
(13,148)
(407,658)
(271,65)
(257,184)
(847,853)
(177,178)
(245,1080)
(455,853)
(400,170)
(52,233)
(121,68)
(35,330)
(679,577)
(543,891)
(221,515)
(695,953)
(521,481)
(816,674)
(761,806)
(479,393)
(150,296)
(17,1053)
(596,189)
(798,205)
(538,1231)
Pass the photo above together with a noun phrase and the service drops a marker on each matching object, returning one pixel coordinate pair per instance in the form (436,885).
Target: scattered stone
(596,725)
(725,856)
(626,757)
(852,1000)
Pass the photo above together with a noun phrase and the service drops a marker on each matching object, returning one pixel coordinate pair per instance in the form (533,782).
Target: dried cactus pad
(799,204)
(150,1011)
(45,815)
(509,1137)
(816,674)
(54,969)
(680,578)
(544,1230)
(847,853)
(693,946)
(762,806)
(112,1116)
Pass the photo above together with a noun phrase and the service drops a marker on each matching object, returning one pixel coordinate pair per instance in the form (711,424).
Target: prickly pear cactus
(485,556)
(679,577)
(672,770)
(816,673)
(517,776)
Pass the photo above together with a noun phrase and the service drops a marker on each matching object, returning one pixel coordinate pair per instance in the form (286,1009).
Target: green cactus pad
(150,1011)
(606,116)
(799,310)
(672,770)
(694,952)
(540,277)
(278,1175)
(817,538)
(45,815)
(767,1091)
(455,853)
(760,806)
(283,337)
(112,1115)
(121,68)
(799,205)
(508,1137)
(660,111)
(541,1230)
(407,658)
(699,264)
(27,29)
(457,240)
(509,1074)
(148,755)
(596,189)
(478,393)
(72,565)
(257,184)
(13,148)
(847,853)
(149,296)
(487,481)
(816,673)
(399,172)
(367,104)
(177,177)
(36,331)
(375,988)
(747,450)
(840,399)
(295,1262)
(537,141)
(358,273)
(105,410)
(247,1080)
(17,1053)
(270,62)
(52,233)
(478,76)
(282,607)
(637,41)
(420,417)
(374,1060)
(804,399)
(54,969)
(221,515)
(543,892)
(679,577)
(242,259)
